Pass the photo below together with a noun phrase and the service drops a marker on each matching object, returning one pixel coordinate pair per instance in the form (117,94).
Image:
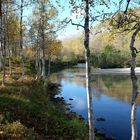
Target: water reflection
(112,95)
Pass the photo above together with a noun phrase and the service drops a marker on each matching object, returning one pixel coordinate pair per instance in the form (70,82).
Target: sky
(66,32)
(71,30)
(65,12)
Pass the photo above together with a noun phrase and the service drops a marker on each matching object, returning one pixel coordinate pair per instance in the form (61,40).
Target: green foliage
(72,58)
(110,57)
(60,64)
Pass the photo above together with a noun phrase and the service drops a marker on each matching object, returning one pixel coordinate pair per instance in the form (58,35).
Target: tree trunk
(21,40)
(36,59)
(39,69)
(4,63)
(4,55)
(0,59)
(7,41)
(134,85)
(1,35)
(39,64)
(9,56)
(3,42)
(88,74)
(43,74)
(49,65)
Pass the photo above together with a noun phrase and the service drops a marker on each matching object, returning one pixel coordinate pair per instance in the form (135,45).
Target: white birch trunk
(88,74)
(0,35)
(43,74)
(4,65)
(3,43)
(49,66)
(134,85)
(133,122)
(43,63)
(10,63)
(0,60)
(4,57)
(21,40)
(36,60)
(7,42)
(39,69)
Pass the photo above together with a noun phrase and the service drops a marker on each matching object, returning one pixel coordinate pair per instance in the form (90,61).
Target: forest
(69,69)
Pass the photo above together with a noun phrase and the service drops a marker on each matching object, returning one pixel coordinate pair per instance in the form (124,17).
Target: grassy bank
(29,111)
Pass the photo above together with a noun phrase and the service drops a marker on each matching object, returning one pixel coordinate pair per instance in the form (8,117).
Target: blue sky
(71,30)
(64,12)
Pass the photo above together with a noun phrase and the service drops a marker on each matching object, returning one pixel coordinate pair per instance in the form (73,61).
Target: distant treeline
(111,57)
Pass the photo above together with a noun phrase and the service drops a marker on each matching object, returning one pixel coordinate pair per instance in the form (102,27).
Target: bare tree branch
(76,24)
(128,2)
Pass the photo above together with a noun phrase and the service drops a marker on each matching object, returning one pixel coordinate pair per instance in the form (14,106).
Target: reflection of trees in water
(74,70)
(69,77)
(110,80)
(56,78)
(116,86)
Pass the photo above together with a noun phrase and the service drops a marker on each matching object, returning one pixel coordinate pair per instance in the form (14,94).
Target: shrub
(110,57)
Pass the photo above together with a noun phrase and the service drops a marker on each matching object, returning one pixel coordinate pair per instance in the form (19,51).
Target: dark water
(111,100)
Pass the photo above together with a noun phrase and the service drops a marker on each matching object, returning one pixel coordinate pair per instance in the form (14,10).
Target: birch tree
(7,39)
(6,8)
(53,50)
(134,84)
(3,38)
(0,60)
(0,35)
(21,38)
(129,21)
(43,73)
(41,29)
(34,36)
(88,15)
(133,75)
(88,72)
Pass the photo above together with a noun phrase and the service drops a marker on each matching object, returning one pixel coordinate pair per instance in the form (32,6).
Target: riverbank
(28,110)
(125,71)
(116,71)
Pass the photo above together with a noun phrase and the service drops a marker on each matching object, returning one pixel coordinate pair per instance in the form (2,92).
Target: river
(111,99)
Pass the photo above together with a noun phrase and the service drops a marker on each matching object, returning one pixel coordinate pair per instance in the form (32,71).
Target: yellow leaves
(43,14)
(52,12)
(131,11)
(53,48)
(13,29)
(1,132)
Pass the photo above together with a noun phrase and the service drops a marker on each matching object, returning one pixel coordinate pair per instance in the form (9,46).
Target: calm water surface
(111,100)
